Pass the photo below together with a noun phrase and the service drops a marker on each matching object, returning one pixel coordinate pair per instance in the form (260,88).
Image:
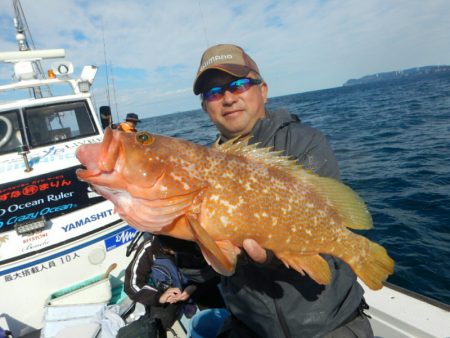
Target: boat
(57,236)
(396,312)
(56,233)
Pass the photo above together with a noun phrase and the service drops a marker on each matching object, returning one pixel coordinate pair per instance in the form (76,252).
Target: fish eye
(144,137)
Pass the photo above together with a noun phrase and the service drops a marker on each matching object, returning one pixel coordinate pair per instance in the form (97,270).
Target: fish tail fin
(376,267)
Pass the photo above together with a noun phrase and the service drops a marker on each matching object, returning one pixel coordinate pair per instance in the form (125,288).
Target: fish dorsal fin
(239,146)
(347,203)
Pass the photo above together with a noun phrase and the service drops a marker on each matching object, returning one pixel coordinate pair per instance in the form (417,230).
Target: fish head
(121,161)
(140,174)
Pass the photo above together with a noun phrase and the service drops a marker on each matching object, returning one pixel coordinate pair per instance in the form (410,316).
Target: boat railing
(27,77)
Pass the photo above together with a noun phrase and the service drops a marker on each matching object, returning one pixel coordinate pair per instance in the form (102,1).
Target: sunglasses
(235,87)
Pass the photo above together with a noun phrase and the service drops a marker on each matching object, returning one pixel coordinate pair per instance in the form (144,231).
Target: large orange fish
(222,195)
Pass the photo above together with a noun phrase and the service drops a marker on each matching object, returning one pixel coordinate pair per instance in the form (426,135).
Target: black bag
(144,327)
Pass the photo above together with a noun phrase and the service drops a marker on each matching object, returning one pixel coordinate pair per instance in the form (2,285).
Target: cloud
(152,48)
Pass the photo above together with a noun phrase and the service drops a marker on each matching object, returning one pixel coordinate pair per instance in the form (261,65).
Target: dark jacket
(138,287)
(137,275)
(270,299)
(193,266)
(189,262)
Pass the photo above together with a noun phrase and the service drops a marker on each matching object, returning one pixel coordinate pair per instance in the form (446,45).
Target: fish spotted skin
(219,197)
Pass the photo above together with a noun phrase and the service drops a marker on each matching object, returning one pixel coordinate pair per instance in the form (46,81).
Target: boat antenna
(106,66)
(24,39)
(114,91)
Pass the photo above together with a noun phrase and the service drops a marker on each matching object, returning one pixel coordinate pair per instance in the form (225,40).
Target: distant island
(400,74)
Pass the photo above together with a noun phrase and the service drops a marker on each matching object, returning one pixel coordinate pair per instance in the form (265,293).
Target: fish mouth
(99,158)
(89,167)
(109,151)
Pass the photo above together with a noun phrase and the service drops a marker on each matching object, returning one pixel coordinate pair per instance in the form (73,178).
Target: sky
(149,51)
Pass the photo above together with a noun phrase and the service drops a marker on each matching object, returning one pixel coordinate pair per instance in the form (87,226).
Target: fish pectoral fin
(180,228)
(314,265)
(221,255)
(230,251)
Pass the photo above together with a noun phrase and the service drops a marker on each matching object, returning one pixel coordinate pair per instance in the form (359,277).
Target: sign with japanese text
(41,267)
(48,195)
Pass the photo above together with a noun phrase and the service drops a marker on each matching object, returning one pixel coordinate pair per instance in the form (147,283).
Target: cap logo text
(214,59)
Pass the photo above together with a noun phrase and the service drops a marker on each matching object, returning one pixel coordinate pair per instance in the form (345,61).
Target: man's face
(235,114)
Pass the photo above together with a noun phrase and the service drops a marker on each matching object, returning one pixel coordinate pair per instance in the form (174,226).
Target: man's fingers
(255,251)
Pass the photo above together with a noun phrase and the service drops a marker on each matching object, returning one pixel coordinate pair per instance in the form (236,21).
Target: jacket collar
(267,127)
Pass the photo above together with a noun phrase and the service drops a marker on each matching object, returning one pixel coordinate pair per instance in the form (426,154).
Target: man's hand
(170,296)
(255,251)
(187,292)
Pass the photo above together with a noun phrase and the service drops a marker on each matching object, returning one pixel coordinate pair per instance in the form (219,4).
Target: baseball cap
(229,58)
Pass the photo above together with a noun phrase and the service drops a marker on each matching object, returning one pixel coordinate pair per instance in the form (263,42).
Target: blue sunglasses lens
(213,94)
(235,87)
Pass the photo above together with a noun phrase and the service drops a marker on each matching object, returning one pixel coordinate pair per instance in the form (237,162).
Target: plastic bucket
(206,323)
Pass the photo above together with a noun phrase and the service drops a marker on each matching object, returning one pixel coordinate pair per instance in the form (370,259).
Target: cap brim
(234,70)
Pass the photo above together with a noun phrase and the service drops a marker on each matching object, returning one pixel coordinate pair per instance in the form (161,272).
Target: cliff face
(400,74)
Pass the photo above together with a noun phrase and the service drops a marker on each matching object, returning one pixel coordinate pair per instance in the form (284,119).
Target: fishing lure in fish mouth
(220,196)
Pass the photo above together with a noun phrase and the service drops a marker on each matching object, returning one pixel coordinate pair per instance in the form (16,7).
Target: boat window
(58,123)
(10,131)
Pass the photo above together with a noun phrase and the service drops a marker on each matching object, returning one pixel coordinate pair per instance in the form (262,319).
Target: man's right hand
(255,251)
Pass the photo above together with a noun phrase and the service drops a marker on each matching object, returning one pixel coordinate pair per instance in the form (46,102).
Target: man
(130,123)
(266,298)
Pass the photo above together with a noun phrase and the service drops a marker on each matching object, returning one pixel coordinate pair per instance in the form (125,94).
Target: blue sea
(392,141)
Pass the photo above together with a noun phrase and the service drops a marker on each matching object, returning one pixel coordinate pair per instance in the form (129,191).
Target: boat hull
(399,313)
(27,283)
